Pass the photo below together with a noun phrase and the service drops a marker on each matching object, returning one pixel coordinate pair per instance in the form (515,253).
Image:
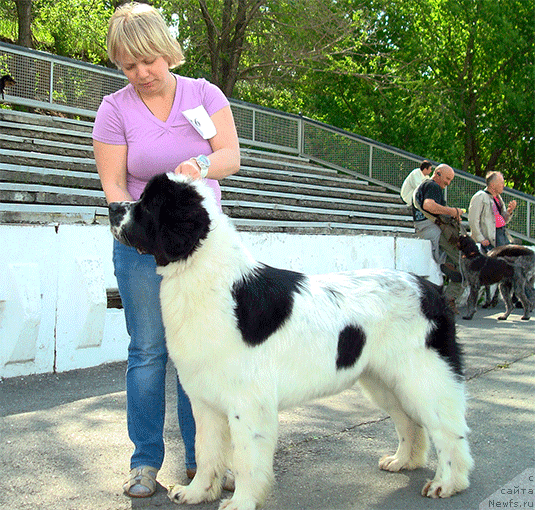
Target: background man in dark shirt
(430,197)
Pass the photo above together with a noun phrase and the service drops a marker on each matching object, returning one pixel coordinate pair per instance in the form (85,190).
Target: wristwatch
(204,164)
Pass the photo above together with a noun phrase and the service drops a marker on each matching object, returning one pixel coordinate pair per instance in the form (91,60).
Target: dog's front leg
(253,429)
(491,300)
(472,301)
(212,456)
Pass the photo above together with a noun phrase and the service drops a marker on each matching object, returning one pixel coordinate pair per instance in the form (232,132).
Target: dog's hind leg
(530,293)
(506,291)
(254,430)
(431,395)
(212,456)
(434,395)
(523,293)
(413,444)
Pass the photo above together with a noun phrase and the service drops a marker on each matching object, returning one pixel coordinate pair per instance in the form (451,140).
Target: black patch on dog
(491,270)
(477,263)
(351,341)
(442,338)
(264,300)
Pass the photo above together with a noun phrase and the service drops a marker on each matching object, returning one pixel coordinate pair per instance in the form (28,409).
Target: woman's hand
(189,168)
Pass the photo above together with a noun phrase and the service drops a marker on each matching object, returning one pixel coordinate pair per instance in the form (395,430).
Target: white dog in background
(249,340)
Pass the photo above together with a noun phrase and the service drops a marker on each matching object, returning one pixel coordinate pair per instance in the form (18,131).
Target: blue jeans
(501,239)
(139,287)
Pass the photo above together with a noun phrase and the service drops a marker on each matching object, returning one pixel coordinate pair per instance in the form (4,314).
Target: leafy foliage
(74,28)
(451,80)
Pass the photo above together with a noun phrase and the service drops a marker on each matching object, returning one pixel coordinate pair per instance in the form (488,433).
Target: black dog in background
(511,266)
(6,81)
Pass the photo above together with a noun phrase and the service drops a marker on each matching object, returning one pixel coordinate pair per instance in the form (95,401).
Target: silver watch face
(203,161)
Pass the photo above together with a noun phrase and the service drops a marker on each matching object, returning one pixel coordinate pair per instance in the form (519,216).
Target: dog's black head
(169,221)
(468,246)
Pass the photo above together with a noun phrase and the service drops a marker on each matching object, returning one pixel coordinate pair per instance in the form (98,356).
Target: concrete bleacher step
(266,182)
(45,146)
(47,122)
(47,160)
(48,174)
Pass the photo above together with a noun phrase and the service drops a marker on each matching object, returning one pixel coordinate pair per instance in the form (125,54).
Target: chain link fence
(69,86)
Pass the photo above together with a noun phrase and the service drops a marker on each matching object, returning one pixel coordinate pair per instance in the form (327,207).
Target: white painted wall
(53,281)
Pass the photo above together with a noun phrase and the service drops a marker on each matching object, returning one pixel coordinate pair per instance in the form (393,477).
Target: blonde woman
(160,122)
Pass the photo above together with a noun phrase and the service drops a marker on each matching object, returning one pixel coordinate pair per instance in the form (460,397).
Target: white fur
(236,390)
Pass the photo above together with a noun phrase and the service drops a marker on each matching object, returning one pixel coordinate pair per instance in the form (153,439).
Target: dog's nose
(116,212)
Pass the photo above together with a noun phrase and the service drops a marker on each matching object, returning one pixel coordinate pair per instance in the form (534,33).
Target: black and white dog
(511,266)
(249,340)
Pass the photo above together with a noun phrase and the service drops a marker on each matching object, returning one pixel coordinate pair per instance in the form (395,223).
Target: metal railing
(66,85)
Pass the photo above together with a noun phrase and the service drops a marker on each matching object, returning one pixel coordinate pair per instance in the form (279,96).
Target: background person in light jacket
(488,215)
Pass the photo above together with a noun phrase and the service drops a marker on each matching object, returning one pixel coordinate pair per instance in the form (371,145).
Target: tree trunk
(24,15)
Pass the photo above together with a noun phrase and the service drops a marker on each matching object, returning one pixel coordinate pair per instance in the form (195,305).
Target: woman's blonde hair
(139,30)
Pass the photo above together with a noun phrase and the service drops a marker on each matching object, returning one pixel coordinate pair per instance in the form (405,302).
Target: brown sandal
(141,483)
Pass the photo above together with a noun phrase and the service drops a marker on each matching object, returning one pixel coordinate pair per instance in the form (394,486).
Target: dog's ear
(182,224)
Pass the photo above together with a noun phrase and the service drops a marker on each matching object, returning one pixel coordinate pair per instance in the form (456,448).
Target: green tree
(261,41)
(483,62)
(452,80)
(72,28)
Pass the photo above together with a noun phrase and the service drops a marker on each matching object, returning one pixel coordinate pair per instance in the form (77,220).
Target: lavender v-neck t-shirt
(154,146)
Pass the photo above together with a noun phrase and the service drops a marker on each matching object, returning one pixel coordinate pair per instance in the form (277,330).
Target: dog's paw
(503,317)
(525,317)
(436,489)
(442,489)
(179,494)
(393,463)
(176,493)
(188,494)
(237,504)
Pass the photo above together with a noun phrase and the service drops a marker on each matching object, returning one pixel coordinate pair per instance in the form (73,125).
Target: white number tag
(201,121)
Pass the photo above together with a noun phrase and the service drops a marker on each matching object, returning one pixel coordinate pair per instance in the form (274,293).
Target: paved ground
(63,442)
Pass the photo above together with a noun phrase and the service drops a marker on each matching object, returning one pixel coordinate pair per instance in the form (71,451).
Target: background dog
(5,82)
(511,266)
(248,340)
(522,259)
